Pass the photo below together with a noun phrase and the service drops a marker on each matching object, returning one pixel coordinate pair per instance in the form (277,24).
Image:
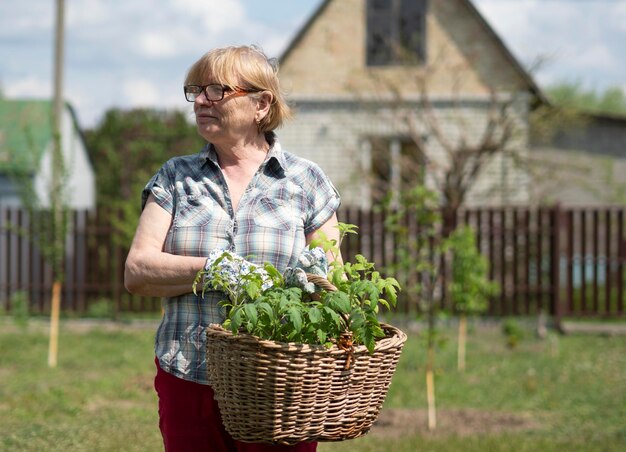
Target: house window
(395,165)
(396,32)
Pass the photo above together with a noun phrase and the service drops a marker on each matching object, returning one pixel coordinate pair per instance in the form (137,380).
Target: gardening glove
(310,261)
(230,267)
(314,261)
(296,277)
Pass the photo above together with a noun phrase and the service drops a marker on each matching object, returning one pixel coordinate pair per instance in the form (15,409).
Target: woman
(242,193)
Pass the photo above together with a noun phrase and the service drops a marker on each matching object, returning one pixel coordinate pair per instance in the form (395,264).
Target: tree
(470,287)
(573,95)
(455,147)
(421,250)
(57,195)
(127,148)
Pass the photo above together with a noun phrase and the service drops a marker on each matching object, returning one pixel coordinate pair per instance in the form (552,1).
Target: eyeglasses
(212,92)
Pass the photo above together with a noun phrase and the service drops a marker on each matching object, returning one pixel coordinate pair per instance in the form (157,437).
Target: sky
(134,53)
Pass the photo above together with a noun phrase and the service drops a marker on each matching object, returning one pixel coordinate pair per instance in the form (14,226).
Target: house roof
(25,131)
(532,86)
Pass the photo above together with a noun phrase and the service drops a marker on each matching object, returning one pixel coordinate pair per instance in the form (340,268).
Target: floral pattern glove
(312,261)
(230,267)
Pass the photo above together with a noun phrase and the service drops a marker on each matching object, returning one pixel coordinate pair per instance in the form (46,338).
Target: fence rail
(569,262)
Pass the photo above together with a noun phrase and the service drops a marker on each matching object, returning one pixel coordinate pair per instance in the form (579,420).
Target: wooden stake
(54,324)
(462,342)
(430,391)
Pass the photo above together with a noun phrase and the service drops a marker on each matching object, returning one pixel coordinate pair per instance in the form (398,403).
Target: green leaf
(253,289)
(315,315)
(251,313)
(296,318)
(340,302)
(264,308)
(235,320)
(335,318)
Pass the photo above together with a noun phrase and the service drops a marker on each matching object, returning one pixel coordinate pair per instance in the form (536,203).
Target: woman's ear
(263,105)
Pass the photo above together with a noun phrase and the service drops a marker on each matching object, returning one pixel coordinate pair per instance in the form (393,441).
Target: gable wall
(325,77)
(329,59)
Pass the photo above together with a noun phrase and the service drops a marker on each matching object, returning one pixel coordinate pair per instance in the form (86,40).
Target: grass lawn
(562,393)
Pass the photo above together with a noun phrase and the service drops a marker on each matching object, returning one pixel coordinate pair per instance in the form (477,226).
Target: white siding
(79,183)
(332,133)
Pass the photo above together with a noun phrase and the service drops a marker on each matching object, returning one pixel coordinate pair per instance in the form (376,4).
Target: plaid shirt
(288,198)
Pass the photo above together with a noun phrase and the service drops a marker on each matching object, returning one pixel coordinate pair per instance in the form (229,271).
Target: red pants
(190,420)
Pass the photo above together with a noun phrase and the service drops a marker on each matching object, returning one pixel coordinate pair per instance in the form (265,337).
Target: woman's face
(229,119)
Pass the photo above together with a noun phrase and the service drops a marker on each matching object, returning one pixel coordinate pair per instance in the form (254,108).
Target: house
(585,161)
(26,144)
(384,88)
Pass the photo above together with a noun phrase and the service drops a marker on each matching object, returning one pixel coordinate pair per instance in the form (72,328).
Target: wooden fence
(569,262)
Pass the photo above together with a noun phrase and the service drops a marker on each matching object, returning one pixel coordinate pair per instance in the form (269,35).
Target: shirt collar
(275,153)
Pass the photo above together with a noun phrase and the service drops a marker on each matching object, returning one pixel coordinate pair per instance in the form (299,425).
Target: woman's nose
(202,99)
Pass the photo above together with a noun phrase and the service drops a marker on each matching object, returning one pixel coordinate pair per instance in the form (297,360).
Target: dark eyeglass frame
(237,91)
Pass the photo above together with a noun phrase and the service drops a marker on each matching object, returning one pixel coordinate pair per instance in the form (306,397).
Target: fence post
(555,259)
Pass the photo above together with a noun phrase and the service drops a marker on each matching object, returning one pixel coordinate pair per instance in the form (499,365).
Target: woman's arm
(151,272)
(331,231)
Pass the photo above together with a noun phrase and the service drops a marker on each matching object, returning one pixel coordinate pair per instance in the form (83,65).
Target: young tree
(470,287)
(57,195)
(415,221)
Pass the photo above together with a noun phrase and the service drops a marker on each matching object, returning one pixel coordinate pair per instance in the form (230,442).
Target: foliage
(19,308)
(573,95)
(127,148)
(470,287)
(513,332)
(103,308)
(286,313)
(48,225)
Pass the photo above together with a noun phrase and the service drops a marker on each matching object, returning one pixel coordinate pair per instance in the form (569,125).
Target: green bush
(20,309)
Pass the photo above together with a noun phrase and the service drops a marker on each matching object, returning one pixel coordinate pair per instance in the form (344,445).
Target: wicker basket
(279,393)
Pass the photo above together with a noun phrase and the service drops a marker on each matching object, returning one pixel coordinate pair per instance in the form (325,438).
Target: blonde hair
(244,67)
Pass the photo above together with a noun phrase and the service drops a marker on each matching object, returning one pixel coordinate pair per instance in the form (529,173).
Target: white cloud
(28,87)
(31,17)
(153,44)
(618,16)
(598,56)
(229,14)
(140,92)
(89,13)
(574,40)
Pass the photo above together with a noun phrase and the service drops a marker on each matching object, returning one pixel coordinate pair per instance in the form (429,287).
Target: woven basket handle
(345,341)
(321,281)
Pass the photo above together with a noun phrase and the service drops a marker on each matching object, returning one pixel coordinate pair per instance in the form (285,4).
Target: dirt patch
(462,422)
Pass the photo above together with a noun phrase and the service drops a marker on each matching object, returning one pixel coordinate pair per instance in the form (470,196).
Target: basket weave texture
(285,393)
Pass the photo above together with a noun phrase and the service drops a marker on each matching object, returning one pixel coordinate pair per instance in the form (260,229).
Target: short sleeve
(161,185)
(323,200)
